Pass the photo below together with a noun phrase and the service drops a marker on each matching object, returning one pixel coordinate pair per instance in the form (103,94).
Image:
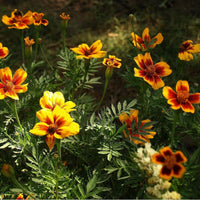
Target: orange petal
(182,86)
(139,73)
(139,59)
(187,107)
(69,106)
(21,88)
(19,77)
(185,56)
(180,158)
(99,54)
(70,130)
(137,40)
(147,59)
(40,129)
(166,173)
(5,74)
(178,170)
(155,81)
(158,158)
(169,93)
(134,115)
(194,98)
(162,69)
(174,104)
(45,22)
(7,20)
(123,117)
(196,49)
(50,141)
(12,94)
(46,116)
(158,39)
(58,98)
(2,92)
(46,100)
(145,35)
(166,151)
(96,46)
(3,52)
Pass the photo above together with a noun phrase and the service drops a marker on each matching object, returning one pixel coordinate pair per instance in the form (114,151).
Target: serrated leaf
(119,107)
(124,105)
(132,103)
(113,109)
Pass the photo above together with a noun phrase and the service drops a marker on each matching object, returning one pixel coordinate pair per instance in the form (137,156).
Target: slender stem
(59,149)
(16,115)
(22,44)
(104,92)
(174,127)
(37,28)
(57,182)
(43,54)
(15,181)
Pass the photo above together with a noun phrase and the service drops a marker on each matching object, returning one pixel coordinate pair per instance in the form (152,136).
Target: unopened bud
(8,171)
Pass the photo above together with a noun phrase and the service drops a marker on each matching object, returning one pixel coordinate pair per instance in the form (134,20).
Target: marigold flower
(54,124)
(49,100)
(3,51)
(171,163)
(94,51)
(181,98)
(133,134)
(18,20)
(29,42)
(151,73)
(65,17)
(146,42)
(38,19)
(21,196)
(187,49)
(112,62)
(10,86)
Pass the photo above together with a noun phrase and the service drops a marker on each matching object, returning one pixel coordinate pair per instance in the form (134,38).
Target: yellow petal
(40,129)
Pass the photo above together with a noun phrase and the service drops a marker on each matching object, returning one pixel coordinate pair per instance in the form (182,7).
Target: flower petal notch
(18,20)
(150,72)
(10,86)
(171,163)
(187,49)
(181,98)
(138,133)
(146,42)
(94,51)
(54,124)
(38,19)
(3,51)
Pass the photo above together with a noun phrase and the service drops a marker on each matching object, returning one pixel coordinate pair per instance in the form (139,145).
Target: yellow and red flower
(181,98)
(18,20)
(49,100)
(112,62)
(133,134)
(187,49)
(54,124)
(29,42)
(21,196)
(38,19)
(94,51)
(151,73)
(171,163)
(146,42)
(10,86)
(65,17)
(3,51)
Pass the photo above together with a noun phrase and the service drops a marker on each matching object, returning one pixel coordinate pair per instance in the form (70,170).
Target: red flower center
(170,161)
(87,52)
(182,96)
(8,86)
(52,128)
(150,70)
(185,46)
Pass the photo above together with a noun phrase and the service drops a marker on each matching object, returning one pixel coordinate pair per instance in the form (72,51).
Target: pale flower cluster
(158,187)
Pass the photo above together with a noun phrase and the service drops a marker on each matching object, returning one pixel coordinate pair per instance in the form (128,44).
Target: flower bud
(8,171)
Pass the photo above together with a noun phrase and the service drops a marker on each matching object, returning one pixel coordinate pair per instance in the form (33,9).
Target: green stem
(15,181)
(37,28)
(174,127)
(16,115)
(43,54)
(104,92)
(59,149)
(22,44)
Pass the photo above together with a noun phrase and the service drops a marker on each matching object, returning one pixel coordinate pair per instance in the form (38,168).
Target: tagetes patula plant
(181,98)
(94,51)
(11,85)
(38,19)
(146,42)
(150,72)
(3,51)
(65,16)
(171,163)
(55,124)
(133,134)
(18,20)
(50,100)
(187,49)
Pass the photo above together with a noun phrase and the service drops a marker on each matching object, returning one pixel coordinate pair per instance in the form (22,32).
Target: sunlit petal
(40,129)
(182,86)
(169,93)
